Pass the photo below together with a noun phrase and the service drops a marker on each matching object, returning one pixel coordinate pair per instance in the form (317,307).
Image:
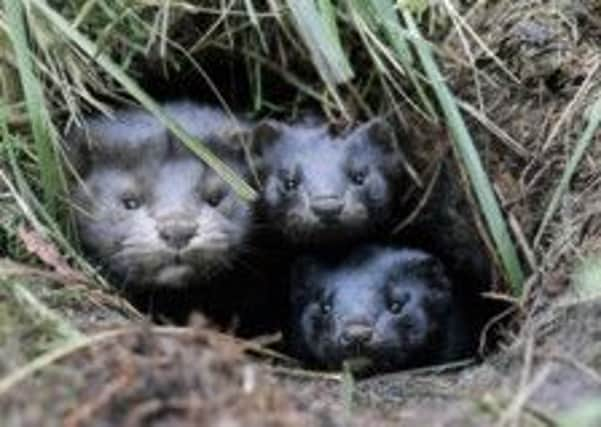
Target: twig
(441,368)
(52,356)
(584,87)
(303,373)
(573,362)
(519,401)
(76,345)
(84,412)
(31,302)
(594,120)
(422,201)
(499,132)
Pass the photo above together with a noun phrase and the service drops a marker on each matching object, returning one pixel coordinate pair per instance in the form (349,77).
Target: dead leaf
(47,252)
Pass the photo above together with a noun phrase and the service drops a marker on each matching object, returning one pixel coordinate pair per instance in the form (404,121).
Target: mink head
(319,188)
(382,305)
(151,212)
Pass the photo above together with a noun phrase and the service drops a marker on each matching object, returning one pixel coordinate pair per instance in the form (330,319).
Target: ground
(73,354)
(133,374)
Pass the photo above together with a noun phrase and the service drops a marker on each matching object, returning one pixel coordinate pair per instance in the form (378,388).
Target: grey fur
(318,187)
(149,210)
(346,309)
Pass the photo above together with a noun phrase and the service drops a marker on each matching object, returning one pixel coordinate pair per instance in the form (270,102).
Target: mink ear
(260,139)
(264,135)
(230,143)
(427,267)
(77,148)
(377,131)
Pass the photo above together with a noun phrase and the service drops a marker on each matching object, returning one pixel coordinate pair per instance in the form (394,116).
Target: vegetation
(523,123)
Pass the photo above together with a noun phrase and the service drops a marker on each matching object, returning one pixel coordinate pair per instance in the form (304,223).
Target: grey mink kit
(149,210)
(390,306)
(319,188)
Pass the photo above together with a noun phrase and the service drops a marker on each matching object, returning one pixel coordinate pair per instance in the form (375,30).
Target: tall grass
(100,41)
(470,158)
(392,41)
(47,160)
(241,187)
(585,140)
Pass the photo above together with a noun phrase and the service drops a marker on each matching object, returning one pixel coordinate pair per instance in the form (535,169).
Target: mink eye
(291,184)
(325,308)
(358,177)
(214,199)
(130,202)
(397,304)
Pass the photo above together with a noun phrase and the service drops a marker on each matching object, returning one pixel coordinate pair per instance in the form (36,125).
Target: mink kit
(324,189)
(150,212)
(391,307)
(178,239)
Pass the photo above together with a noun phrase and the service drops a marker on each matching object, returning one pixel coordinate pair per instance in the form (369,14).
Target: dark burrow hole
(254,300)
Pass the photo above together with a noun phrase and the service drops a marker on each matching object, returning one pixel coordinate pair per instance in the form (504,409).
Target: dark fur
(320,188)
(148,209)
(445,228)
(393,307)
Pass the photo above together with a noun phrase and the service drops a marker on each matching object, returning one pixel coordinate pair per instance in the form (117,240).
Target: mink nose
(177,233)
(356,334)
(327,207)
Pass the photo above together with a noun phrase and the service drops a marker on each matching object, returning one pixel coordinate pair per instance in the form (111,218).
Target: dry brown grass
(525,72)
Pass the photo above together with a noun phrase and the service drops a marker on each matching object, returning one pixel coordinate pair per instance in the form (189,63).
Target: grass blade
(465,146)
(41,125)
(37,309)
(348,390)
(586,413)
(382,15)
(254,20)
(244,190)
(594,120)
(321,37)
(586,279)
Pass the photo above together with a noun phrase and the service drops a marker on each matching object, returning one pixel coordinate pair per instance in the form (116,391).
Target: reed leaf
(382,16)
(317,27)
(244,190)
(47,158)
(471,160)
(594,121)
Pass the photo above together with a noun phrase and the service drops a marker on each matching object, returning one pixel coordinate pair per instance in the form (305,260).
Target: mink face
(152,213)
(391,307)
(320,188)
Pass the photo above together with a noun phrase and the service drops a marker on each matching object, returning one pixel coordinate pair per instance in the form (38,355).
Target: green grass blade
(348,390)
(587,413)
(37,309)
(254,20)
(329,18)
(38,217)
(586,279)
(317,28)
(244,190)
(469,155)
(36,106)
(382,15)
(594,120)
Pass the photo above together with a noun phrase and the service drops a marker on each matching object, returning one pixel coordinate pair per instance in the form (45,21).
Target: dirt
(144,375)
(546,364)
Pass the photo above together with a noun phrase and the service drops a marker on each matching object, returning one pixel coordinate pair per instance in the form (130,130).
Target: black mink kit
(391,307)
(324,189)
(171,232)
(163,224)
